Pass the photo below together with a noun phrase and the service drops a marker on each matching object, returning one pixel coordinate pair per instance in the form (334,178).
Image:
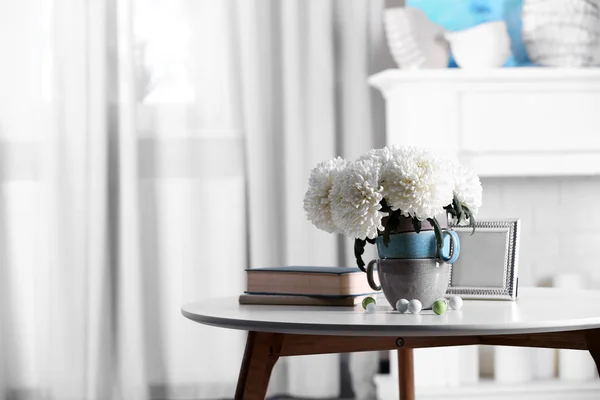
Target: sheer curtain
(123,194)
(149,152)
(304,71)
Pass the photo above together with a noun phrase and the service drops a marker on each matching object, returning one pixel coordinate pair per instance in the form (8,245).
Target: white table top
(535,310)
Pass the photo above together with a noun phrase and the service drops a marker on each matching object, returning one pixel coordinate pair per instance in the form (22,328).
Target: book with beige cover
(308,281)
(312,286)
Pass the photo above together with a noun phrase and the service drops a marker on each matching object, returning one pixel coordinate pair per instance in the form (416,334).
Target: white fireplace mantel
(501,122)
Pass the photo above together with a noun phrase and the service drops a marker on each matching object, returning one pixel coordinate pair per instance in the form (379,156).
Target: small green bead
(368,300)
(439,307)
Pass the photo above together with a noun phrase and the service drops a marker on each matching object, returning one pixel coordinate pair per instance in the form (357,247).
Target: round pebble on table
(439,307)
(402,306)
(371,308)
(456,302)
(415,306)
(368,300)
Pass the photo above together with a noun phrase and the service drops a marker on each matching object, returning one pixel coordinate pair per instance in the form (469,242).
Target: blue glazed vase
(412,245)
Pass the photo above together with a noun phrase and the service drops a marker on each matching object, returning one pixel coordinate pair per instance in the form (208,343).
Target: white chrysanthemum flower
(378,156)
(316,199)
(467,188)
(416,182)
(355,198)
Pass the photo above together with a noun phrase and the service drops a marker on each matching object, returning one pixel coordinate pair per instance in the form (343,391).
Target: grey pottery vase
(423,279)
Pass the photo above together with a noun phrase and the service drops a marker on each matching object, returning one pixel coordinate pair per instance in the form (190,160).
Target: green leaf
(416,224)
(359,249)
(394,222)
(450,209)
(472,219)
(459,209)
(438,233)
(386,237)
(384,206)
(391,226)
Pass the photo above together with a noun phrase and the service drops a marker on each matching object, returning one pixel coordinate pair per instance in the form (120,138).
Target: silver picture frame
(487,266)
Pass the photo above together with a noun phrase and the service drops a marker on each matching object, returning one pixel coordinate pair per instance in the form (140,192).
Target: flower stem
(438,233)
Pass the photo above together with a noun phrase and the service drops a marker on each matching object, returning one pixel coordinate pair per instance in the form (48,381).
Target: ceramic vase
(415,42)
(410,266)
(482,46)
(562,33)
(424,279)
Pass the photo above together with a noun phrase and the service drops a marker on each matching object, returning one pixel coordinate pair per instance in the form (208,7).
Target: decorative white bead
(456,302)
(415,306)
(402,306)
(371,308)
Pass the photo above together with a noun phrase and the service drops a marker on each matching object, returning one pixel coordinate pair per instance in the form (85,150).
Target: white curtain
(150,150)
(304,68)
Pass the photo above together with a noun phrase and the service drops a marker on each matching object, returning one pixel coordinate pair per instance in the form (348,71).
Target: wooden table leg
(260,356)
(592,339)
(406,374)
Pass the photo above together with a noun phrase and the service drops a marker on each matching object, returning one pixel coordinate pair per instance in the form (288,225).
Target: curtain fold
(305,99)
(95,272)
(73,357)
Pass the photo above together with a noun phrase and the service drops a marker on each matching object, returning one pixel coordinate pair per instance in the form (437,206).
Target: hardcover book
(300,300)
(308,281)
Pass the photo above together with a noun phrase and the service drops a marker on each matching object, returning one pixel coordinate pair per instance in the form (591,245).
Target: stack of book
(318,286)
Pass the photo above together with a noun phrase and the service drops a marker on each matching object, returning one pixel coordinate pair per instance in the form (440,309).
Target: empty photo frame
(488,261)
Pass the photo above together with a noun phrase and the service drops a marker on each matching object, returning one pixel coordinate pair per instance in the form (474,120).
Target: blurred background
(152,150)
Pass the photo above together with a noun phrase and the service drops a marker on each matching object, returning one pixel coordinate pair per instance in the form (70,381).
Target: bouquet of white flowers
(366,198)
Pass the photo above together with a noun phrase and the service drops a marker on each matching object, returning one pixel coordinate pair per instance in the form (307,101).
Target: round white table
(540,317)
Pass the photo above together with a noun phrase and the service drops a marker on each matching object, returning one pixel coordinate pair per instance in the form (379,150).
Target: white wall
(560,224)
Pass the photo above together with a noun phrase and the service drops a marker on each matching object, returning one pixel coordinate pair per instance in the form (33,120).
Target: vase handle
(451,258)
(370,279)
